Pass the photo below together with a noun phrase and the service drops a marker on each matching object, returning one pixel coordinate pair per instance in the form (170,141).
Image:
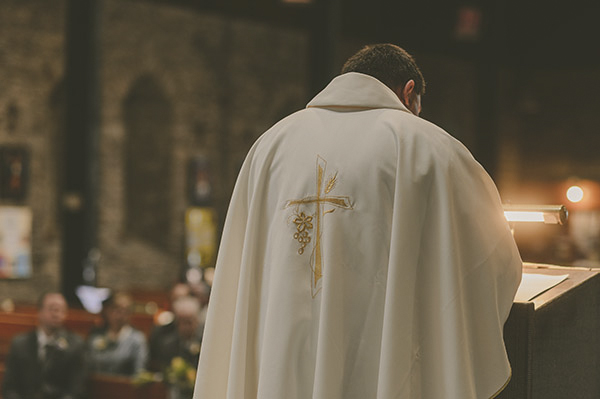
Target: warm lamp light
(524,216)
(575,194)
(549,214)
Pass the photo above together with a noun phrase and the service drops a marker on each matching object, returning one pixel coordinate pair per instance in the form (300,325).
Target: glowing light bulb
(575,194)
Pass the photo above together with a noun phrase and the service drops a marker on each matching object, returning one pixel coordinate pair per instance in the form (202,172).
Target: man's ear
(409,97)
(407,92)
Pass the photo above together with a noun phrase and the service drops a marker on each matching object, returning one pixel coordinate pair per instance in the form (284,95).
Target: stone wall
(192,83)
(220,83)
(32,53)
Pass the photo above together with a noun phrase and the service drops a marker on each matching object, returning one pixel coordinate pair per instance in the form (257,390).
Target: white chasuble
(365,256)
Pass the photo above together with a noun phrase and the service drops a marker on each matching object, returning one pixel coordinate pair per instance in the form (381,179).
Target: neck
(49,331)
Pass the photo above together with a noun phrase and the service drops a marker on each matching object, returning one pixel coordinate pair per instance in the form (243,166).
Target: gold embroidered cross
(321,200)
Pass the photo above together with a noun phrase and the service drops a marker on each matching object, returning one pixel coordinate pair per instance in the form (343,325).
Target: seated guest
(47,363)
(184,341)
(165,317)
(166,320)
(117,347)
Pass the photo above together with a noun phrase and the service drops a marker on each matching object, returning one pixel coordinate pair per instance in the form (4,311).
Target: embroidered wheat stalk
(331,184)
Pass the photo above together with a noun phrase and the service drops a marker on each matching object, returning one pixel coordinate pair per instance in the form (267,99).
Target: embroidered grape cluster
(303,224)
(303,238)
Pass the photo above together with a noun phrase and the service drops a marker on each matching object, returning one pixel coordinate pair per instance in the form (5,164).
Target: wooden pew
(114,387)
(1,378)
(80,320)
(149,299)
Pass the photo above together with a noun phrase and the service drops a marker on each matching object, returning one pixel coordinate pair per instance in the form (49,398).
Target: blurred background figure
(180,290)
(49,362)
(182,340)
(117,347)
(165,319)
(201,290)
(165,324)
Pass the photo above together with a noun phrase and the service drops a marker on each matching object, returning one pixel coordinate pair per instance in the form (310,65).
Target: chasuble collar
(354,91)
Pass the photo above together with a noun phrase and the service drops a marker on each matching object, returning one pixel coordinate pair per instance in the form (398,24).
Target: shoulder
(418,128)
(137,335)
(24,339)
(420,138)
(290,124)
(136,331)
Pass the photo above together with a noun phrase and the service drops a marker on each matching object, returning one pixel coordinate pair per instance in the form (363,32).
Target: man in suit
(49,362)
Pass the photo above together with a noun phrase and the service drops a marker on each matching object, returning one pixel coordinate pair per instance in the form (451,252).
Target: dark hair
(116,296)
(388,63)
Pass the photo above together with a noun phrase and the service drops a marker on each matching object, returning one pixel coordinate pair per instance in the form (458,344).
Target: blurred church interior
(123,123)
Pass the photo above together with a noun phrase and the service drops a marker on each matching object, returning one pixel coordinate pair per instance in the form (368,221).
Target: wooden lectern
(553,340)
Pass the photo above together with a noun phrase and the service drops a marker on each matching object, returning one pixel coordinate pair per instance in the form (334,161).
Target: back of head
(388,63)
(118,299)
(116,310)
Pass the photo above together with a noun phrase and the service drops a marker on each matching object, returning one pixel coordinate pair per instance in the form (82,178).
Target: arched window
(148,119)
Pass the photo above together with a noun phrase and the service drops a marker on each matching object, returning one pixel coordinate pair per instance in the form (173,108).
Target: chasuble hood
(365,255)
